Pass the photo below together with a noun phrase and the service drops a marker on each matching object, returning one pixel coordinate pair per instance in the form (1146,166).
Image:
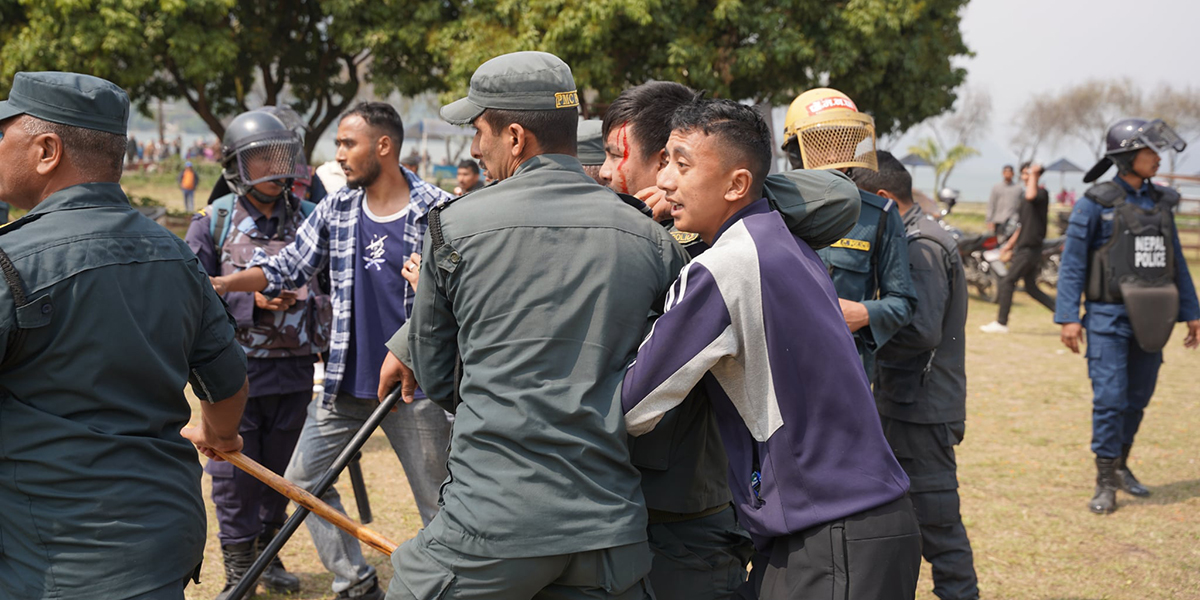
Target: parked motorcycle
(1051,259)
(980,253)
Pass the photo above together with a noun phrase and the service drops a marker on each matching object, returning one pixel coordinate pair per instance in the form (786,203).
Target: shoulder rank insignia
(684,237)
(852,244)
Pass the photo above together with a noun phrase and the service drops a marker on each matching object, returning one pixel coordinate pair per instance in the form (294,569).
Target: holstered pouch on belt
(1152,311)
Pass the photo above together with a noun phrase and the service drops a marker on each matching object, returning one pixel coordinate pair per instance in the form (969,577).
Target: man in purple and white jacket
(756,319)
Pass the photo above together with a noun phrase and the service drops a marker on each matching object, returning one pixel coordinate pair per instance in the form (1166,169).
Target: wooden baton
(301,496)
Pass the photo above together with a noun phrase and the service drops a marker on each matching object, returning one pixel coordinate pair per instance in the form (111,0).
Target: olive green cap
(589,144)
(68,99)
(517,81)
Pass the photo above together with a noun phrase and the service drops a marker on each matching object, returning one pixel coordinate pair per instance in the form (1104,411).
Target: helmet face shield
(1160,137)
(267,160)
(838,140)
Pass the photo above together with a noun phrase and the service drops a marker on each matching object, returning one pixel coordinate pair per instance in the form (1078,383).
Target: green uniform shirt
(543,287)
(99,493)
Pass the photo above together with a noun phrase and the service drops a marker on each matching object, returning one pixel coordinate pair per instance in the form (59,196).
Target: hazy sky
(1026,47)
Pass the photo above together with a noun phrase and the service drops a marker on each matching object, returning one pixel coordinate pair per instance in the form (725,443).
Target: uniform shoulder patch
(684,237)
(852,244)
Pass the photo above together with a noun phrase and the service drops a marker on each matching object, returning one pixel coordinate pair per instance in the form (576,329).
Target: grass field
(1026,474)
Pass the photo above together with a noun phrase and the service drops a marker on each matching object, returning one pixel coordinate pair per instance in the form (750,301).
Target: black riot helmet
(258,147)
(1127,137)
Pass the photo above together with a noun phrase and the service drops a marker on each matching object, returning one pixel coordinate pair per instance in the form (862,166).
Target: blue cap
(68,99)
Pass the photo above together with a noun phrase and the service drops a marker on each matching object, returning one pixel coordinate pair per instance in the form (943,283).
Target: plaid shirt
(329,235)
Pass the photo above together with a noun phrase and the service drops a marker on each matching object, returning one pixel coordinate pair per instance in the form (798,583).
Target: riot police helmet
(1125,138)
(256,148)
(823,129)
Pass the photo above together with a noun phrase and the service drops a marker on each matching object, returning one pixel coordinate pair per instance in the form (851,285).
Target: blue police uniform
(871,266)
(1123,375)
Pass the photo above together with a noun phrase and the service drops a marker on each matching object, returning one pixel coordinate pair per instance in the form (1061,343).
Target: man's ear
(662,158)
(518,137)
(385,146)
(741,183)
(49,149)
(888,195)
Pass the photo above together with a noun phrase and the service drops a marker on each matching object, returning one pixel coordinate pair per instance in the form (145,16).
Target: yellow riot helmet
(829,132)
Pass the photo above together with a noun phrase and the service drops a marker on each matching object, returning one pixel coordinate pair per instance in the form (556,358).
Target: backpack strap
(218,218)
(307,208)
(879,228)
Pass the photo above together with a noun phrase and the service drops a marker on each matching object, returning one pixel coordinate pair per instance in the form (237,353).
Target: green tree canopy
(893,57)
(228,56)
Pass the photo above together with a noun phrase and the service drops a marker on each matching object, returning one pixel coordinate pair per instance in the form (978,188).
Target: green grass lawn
(1026,474)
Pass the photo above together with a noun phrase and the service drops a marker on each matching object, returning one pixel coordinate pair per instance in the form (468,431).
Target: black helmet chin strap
(265,199)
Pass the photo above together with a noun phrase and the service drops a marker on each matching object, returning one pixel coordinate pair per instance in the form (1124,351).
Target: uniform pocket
(850,259)
(419,572)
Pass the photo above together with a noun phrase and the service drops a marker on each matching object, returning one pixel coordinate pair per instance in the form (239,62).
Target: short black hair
(469,165)
(1025,165)
(1009,167)
(892,176)
(556,130)
(648,108)
(742,133)
(98,155)
(383,117)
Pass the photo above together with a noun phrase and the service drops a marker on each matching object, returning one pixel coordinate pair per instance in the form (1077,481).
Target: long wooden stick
(301,496)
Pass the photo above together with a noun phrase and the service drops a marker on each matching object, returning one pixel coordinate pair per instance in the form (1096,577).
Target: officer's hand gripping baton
(250,579)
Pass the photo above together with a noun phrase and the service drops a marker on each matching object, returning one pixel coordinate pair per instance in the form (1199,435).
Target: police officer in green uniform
(824,130)
(541,284)
(104,318)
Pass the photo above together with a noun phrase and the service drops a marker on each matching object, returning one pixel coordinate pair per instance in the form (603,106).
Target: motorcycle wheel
(988,287)
(1048,274)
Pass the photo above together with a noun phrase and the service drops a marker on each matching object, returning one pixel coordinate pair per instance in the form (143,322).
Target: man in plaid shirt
(364,232)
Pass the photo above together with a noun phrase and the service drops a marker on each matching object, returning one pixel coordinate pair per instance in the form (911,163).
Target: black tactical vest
(1141,250)
(1136,266)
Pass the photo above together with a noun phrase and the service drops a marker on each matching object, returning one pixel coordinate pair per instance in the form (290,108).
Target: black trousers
(873,555)
(1026,264)
(269,428)
(926,452)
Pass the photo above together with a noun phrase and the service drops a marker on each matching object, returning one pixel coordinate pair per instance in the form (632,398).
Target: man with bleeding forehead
(813,479)
(700,552)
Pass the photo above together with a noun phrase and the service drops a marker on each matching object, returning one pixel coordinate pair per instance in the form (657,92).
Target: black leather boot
(238,558)
(275,578)
(1105,500)
(1125,479)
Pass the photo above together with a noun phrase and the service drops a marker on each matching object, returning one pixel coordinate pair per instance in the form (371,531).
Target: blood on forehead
(623,141)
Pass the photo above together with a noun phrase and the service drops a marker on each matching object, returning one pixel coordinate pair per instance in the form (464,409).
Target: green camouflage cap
(517,81)
(68,99)
(589,145)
